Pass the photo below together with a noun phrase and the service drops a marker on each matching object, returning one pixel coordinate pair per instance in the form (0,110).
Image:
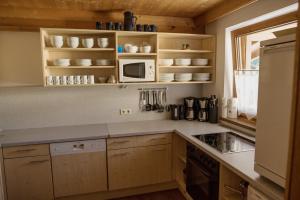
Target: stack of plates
(166,77)
(183,77)
(201,76)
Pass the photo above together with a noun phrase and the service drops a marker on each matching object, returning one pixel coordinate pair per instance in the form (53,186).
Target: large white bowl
(183,77)
(87,42)
(61,62)
(182,61)
(83,62)
(103,62)
(200,62)
(166,62)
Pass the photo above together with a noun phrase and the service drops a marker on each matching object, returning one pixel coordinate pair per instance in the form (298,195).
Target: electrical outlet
(125,111)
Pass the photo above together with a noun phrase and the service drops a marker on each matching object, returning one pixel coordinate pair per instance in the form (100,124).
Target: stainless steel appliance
(202,173)
(203,109)
(227,142)
(275,106)
(189,108)
(136,70)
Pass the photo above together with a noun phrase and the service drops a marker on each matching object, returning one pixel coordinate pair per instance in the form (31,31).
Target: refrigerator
(275,103)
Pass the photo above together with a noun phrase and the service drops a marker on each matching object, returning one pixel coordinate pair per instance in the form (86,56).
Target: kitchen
(122,100)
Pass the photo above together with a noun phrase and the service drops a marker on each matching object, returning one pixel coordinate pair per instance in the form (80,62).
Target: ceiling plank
(220,10)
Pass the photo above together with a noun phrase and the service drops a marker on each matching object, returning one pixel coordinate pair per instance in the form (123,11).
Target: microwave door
(135,70)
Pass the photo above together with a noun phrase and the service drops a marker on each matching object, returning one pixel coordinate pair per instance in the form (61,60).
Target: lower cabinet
(139,166)
(29,178)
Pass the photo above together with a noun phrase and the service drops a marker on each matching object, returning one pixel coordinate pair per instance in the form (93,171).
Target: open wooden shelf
(78,49)
(137,54)
(186,67)
(81,67)
(187,82)
(183,51)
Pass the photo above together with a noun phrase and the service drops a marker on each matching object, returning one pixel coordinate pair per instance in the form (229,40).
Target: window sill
(240,123)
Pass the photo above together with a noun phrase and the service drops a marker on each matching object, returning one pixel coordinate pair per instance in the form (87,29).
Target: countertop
(240,163)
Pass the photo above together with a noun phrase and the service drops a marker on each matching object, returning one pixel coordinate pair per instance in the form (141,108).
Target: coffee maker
(189,105)
(203,109)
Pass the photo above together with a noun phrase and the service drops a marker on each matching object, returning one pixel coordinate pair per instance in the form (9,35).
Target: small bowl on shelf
(166,77)
(83,62)
(63,62)
(103,62)
(201,76)
(200,62)
(87,42)
(182,61)
(183,77)
(103,42)
(166,62)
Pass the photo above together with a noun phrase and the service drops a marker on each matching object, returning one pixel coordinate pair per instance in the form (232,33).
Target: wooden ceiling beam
(16,18)
(220,10)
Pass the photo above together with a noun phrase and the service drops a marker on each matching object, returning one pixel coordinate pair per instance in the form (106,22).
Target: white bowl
(73,42)
(57,41)
(61,62)
(103,62)
(102,42)
(166,62)
(132,49)
(87,42)
(183,77)
(199,62)
(182,61)
(166,77)
(83,62)
(145,49)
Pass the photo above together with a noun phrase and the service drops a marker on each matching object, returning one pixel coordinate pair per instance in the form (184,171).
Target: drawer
(121,143)
(25,151)
(157,139)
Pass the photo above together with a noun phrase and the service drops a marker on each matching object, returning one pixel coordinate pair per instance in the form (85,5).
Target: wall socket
(125,111)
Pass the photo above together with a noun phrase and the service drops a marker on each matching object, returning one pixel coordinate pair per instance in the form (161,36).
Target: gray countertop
(241,163)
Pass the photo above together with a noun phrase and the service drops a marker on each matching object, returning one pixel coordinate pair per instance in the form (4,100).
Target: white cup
(77,80)
(57,41)
(132,49)
(56,80)
(87,42)
(50,80)
(84,79)
(63,80)
(102,42)
(91,79)
(71,80)
(73,42)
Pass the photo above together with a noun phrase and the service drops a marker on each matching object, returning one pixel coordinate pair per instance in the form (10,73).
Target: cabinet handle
(24,150)
(37,161)
(120,154)
(78,147)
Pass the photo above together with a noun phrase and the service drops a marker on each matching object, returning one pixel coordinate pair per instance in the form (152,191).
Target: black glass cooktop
(227,142)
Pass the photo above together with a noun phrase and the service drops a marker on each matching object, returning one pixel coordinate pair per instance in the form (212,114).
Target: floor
(165,195)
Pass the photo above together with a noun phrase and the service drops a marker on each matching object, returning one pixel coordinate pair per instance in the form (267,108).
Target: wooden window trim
(261,26)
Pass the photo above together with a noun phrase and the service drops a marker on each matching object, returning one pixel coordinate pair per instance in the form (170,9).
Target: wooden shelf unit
(164,45)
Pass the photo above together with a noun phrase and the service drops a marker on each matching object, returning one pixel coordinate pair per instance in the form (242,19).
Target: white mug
(57,41)
(50,80)
(63,80)
(56,80)
(71,80)
(91,79)
(87,42)
(73,42)
(84,79)
(77,80)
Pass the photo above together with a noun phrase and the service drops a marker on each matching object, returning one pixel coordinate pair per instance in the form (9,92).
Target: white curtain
(246,83)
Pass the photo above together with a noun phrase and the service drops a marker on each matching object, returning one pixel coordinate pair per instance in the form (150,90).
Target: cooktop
(227,142)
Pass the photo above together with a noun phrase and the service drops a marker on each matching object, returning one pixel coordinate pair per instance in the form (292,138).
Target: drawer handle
(120,154)
(24,150)
(38,161)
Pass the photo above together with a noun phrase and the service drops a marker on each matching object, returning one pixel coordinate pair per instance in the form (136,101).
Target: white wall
(218,28)
(25,107)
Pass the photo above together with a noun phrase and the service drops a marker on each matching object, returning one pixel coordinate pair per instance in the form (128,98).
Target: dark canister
(153,28)
(181,112)
(147,28)
(213,109)
(129,21)
(98,25)
(174,112)
(118,26)
(109,26)
(139,27)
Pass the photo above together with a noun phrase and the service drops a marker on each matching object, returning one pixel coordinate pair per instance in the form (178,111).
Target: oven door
(200,184)
(133,72)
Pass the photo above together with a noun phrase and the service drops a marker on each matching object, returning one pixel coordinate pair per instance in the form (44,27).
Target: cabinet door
(29,178)
(79,173)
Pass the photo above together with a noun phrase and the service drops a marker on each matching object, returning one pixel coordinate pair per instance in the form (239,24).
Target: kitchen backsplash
(31,107)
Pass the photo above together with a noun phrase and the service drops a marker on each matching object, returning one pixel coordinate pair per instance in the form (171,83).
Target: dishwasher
(79,167)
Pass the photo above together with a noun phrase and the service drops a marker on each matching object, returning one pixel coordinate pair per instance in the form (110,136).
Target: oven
(202,175)
(136,70)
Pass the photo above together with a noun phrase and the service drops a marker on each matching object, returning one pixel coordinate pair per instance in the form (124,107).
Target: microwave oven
(136,70)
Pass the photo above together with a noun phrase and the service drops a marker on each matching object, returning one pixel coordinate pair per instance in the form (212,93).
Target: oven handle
(205,172)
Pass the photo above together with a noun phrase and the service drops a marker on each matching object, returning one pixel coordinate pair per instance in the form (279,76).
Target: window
(246,47)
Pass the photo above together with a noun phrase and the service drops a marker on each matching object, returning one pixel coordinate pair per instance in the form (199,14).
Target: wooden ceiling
(175,8)
(189,16)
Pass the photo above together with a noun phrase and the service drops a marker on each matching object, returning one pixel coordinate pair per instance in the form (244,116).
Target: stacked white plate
(201,76)
(183,61)
(166,77)
(183,77)
(199,62)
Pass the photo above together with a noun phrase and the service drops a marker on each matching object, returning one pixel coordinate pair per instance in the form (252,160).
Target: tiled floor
(165,195)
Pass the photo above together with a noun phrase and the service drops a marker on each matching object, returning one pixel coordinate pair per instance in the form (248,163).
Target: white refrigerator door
(274,111)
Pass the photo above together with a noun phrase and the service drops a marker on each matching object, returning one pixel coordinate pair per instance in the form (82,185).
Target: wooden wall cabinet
(139,165)
(29,177)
